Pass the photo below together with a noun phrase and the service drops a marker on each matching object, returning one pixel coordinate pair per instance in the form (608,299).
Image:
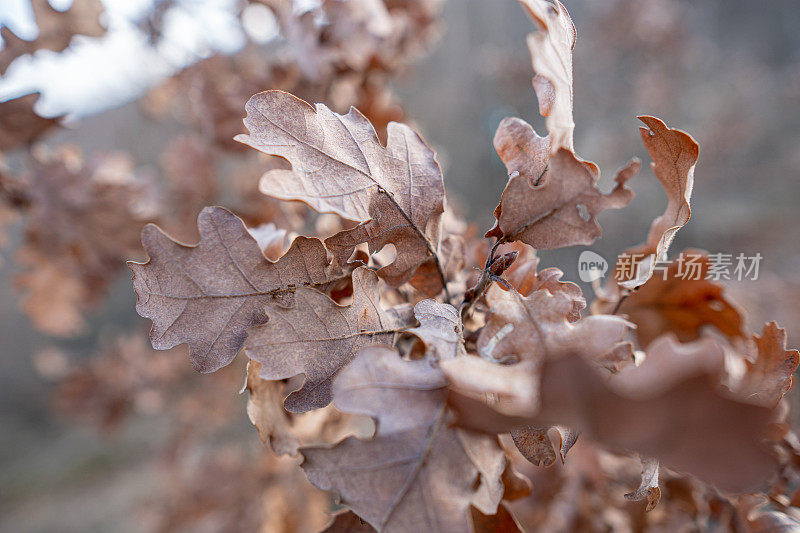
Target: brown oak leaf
(769,371)
(674,154)
(550,200)
(531,328)
(440,329)
(681,302)
(209,294)
(418,473)
(523,275)
(539,445)
(656,414)
(395,192)
(317,337)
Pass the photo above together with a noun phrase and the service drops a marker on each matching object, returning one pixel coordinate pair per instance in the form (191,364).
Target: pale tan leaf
(348,522)
(417,473)
(551,54)
(265,410)
(208,295)
(440,329)
(396,192)
(316,337)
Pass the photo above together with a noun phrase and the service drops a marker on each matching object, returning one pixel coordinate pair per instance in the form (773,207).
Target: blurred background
(120,112)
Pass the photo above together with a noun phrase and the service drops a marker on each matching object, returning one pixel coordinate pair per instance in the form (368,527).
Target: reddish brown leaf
(551,200)
(682,305)
(56,29)
(719,442)
(674,154)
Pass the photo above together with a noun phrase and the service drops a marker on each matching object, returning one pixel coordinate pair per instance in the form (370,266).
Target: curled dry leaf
(523,275)
(769,375)
(316,337)
(440,329)
(681,304)
(395,192)
(539,445)
(551,54)
(418,473)
(752,511)
(550,200)
(648,489)
(674,154)
(687,425)
(265,410)
(209,294)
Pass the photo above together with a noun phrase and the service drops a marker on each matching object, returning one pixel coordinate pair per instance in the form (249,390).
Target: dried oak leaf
(769,375)
(317,337)
(539,445)
(535,327)
(674,154)
(550,200)
(656,415)
(551,54)
(82,220)
(682,305)
(265,410)
(648,488)
(440,329)
(396,193)
(523,275)
(418,473)
(209,294)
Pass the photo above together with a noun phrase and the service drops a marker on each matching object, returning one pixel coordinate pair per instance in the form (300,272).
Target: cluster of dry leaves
(466,373)
(75,244)
(430,378)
